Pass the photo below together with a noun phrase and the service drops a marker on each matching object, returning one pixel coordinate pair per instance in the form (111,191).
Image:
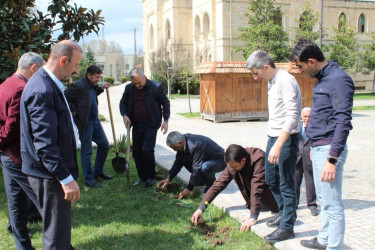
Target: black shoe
(9,227)
(139,182)
(104,176)
(279,235)
(275,222)
(313,243)
(149,182)
(93,184)
(314,211)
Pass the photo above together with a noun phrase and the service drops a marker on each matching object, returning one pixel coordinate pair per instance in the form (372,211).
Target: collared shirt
(284,104)
(61,88)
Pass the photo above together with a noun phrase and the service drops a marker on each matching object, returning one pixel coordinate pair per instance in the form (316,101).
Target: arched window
(168,30)
(151,37)
(197,26)
(278,18)
(361,23)
(342,22)
(206,24)
(304,17)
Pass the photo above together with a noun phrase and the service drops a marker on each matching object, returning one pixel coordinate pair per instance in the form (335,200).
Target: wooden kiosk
(228,91)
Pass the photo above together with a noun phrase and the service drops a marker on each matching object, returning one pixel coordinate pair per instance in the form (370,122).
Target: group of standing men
(45,121)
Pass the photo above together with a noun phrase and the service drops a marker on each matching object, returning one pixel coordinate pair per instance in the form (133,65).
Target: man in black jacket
(83,102)
(48,143)
(142,106)
(200,155)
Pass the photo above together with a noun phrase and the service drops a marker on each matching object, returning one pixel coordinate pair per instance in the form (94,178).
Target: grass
(192,115)
(174,96)
(113,217)
(371,107)
(364,96)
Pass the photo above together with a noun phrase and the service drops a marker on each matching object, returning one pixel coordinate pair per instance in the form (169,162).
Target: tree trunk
(188,95)
(373,84)
(169,87)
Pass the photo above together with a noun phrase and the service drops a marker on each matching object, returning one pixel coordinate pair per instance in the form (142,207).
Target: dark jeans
(210,168)
(144,139)
(56,213)
(307,171)
(280,179)
(18,191)
(93,133)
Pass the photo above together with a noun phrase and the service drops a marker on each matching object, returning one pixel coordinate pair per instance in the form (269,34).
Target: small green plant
(122,143)
(102,118)
(124,79)
(109,79)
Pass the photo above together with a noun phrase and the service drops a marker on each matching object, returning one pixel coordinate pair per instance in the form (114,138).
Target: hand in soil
(246,224)
(185,193)
(163,183)
(196,216)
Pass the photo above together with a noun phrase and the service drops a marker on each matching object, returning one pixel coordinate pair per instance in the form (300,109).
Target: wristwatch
(331,160)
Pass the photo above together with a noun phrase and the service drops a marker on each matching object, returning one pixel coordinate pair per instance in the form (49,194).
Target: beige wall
(210,27)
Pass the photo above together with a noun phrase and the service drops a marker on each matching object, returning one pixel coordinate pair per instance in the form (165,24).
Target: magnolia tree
(24,28)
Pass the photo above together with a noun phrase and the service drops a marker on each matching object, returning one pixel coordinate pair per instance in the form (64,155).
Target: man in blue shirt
(83,102)
(328,130)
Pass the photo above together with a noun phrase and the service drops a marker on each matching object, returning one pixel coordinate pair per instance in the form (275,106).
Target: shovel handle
(111,117)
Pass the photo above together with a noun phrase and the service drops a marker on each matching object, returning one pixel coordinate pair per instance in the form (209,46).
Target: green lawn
(192,115)
(113,217)
(364,96)
(174,96)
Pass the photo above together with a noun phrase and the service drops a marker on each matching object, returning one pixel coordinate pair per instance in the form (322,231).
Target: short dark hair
(235,153)
(93,69)
(306,49)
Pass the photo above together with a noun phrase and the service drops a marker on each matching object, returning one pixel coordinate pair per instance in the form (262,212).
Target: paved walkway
(359,174)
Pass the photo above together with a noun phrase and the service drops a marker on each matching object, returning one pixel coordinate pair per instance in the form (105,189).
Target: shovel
(119,164)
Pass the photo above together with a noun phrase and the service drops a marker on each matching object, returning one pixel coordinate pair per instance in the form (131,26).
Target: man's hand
(106,85)
(127,121)
(274,154)
(328,172)
(185,193)
(71,191)
(246,224)
(164,127)
(196,216)
(163,182)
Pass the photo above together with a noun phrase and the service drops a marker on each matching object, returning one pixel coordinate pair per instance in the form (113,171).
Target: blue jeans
(210,168)
(144,139)
(280,179)
(93,133)
(332,213)
(18,189)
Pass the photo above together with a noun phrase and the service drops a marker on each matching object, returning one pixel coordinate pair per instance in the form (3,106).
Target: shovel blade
(119,164)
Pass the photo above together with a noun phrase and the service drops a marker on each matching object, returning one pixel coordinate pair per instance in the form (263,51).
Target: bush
(124,79)
(109,79)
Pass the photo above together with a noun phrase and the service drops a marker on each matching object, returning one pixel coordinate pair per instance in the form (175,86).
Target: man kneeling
(246,167)
(200,155)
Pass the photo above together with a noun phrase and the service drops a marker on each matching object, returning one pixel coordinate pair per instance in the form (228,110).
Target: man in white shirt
(284,108)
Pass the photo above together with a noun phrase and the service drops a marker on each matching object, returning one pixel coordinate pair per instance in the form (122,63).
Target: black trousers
(144,139)
(305,170)
(56,213)
(18,194)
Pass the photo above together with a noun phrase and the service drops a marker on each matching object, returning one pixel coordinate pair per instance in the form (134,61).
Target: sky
(121,17)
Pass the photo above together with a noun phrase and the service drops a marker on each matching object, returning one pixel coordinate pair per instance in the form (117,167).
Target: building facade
(115,64)
(209,28)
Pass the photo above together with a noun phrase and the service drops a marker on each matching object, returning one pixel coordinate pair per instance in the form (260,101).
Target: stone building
(209,28)
(115,64)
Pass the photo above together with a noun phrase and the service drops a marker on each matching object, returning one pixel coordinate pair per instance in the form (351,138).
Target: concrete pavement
(359,170)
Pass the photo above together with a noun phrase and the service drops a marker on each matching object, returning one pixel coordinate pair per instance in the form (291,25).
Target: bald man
(48,143)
